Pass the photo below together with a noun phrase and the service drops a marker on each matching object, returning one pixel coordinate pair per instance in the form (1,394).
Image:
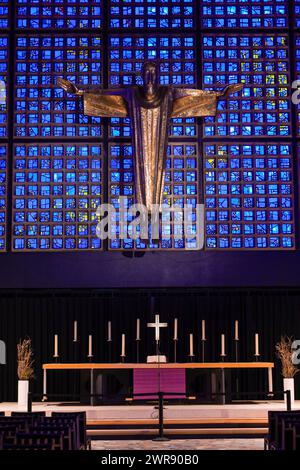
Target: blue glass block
(177,56)
(260,201)
(52,213)
(259,110)
(34,14)
(42,108)
(4,15)
(3,196)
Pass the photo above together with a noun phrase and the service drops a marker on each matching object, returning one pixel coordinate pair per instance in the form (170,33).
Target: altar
(143,381)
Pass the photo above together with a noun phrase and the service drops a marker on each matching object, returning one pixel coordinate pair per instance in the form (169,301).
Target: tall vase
(289,384)
(23,389)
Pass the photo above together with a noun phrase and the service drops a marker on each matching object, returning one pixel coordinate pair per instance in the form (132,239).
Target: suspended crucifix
(150,108)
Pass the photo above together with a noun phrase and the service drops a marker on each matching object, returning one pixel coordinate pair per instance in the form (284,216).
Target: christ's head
(149,74)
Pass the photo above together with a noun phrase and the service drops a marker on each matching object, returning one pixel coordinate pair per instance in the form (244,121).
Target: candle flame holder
(56,359)
(191,356)
(203,341)
(109,341)
(122,359)
(90,358)
(223,357)
(138,349)
(236,349)
(257,357)
(175,340)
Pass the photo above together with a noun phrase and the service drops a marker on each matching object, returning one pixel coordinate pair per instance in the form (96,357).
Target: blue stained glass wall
(261,64)
(57,189)
(4,43)
(3,196)
(297,76)
(42,109)
(244,14)
(249,196)
(62,14)
(152,14)
(63,163)
(297,13)
(4,14)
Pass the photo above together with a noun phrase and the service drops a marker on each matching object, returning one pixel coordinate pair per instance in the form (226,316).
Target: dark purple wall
(190,269)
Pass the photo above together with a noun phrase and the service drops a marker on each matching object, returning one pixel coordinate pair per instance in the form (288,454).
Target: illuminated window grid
(56,192)
(176,60)
(297,13)
(60,14)
(43,109)
(297,64)
(151,14)
(181,186)
(3,85)
(179,127)
(261,64)
(4,14)
(244,13)
(3,196)
(249,196)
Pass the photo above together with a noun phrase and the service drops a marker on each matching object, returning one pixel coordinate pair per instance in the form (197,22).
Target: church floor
(181,444)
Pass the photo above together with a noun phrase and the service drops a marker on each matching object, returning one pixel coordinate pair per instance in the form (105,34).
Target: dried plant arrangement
(284,352)
(25,360)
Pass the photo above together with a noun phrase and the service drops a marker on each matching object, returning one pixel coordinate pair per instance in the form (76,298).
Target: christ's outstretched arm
(98,102)
(199,103)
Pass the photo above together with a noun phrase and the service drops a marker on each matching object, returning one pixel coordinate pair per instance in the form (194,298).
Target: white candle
(191,345)
(109,331)
(138,329)
(75,332)
(256,344)
(236,330)
(55,345)
(203,330)
(223,345)
(123,346)
(175,329)
(90,346)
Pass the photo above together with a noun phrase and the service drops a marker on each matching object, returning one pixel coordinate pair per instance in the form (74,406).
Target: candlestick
(203,330)
(223,354)
(138,350)
(55,346)
(109,331)
(203,341)
(75,337)
(138,329)
(90,353)
(109,344)
(175,349)
(175,329)
(123,346)
(236,330)
(236,348)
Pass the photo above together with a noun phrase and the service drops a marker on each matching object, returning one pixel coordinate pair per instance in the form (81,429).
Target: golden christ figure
(150,108)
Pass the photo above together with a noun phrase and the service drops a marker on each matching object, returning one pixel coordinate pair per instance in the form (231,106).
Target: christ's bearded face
(150,79)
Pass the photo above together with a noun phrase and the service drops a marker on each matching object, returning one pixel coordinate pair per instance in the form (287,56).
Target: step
(182,423)
(200,433)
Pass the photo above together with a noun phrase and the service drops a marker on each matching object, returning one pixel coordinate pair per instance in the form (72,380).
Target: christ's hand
(68,86)
(230,90)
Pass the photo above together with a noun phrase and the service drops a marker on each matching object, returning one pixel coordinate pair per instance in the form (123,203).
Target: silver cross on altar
(157,326)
